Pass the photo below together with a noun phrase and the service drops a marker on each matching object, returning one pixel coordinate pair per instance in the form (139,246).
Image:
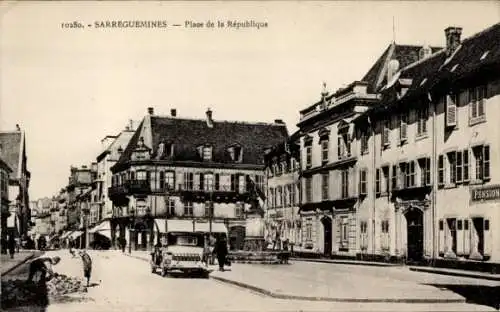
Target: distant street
(122,283)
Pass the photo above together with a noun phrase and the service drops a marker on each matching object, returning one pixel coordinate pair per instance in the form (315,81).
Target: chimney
(210,121)
(18,128)
(452,39)
(173,112)
(151,111)
(131,124)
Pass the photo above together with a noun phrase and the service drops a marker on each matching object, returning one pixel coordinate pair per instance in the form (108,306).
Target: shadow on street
(476,294)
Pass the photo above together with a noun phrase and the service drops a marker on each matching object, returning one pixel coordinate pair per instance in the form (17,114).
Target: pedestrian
(87,265)
(124,243)
(221,251)
(43,265)
(71,246)
(12,245)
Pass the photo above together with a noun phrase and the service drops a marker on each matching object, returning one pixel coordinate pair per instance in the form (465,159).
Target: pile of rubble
(19,293)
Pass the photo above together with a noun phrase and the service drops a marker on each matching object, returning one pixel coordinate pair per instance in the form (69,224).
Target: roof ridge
(221,121)
(482,32)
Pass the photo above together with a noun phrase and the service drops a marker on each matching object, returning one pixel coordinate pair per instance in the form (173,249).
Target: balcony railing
(211,188)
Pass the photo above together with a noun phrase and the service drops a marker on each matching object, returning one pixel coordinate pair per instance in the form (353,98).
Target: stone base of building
(478,266)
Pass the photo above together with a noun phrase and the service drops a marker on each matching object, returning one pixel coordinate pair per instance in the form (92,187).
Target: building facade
(194,169)
(79,182)
(13,152)
(5,172)
(282,222)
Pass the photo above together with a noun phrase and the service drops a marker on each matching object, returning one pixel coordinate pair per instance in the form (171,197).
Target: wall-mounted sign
(491,192)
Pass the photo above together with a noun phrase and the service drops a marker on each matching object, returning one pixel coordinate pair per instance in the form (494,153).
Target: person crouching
(43,266)
(87,265)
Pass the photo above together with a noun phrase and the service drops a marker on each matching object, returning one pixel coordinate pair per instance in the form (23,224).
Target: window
(162,180)
(169,180)
(363,229)
(141,175)
(278,196)
(325,186)
(482,162)
(377,182)
(241,183)
(292,194)
(422,117)
(259,181)
(425,171)
(459,167)
(403,175)
(385,241)
(465,166)
(364,141)
(171,207)
(308,157)
(233,182)
(345,183)
(363,182)
(476,102)
(403,127)
(308,189)
(188,208)
(441,170)
(451,110)
(343,146)
(452,163)
(238,210)
(344,233)
(309,232)
(188,180)
(411,174)
(324,151)
(386,181)
(386,133)
(394,185)
(208,209)
(208,181)
(207,153)
(235,152)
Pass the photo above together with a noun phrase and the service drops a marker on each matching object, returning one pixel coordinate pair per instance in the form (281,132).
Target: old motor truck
(184,247)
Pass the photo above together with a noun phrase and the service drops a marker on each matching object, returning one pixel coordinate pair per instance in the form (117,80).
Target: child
(87,265)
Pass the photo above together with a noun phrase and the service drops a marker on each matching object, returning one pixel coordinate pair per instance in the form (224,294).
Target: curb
(458,274)
(18,264)
(347,262)
(330,299)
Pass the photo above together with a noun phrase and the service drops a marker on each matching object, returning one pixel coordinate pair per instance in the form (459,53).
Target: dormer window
(236,153)
(141,152)
(164,150)
(205,152)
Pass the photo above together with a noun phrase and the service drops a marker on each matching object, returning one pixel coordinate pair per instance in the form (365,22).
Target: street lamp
(132,221)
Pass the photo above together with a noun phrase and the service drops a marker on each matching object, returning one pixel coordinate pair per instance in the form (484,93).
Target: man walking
(221,251)
(12,245)
(87,265)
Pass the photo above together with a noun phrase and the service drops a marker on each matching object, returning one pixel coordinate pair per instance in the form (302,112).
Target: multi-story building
(5,172)
(102,206)
(282,170)
(196,169)
(336,161)
(436,154)
(13,152)
(79,182)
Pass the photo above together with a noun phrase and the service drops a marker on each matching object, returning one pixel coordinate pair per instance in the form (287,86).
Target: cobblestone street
(123,283)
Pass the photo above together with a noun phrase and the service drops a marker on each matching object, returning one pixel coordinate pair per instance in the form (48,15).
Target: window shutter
(377,182)
(480,100)
(441,170)
(465,166)
(459,159)
(339,146)
(403,134)
(460,238)
(217,181)
(202,181)
(466,237)
(428,171)
(488,241)
(486,162)
(441,237)
(451,111)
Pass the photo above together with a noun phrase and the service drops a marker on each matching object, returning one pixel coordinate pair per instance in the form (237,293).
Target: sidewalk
(456,272)
(352,262)
(9,264)
(291,284)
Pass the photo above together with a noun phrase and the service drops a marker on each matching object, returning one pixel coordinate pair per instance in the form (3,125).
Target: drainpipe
(434,178)
(374,178)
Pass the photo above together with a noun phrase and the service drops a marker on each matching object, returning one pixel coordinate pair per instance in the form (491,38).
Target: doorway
(327,234)
(415,234)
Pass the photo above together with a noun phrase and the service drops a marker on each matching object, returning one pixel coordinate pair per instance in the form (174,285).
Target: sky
(69,88)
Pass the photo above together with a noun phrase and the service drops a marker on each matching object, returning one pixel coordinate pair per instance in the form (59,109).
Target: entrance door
(327,227)
(415,234)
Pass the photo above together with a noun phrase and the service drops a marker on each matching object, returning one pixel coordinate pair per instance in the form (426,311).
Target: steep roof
(405,54)
(188,134)
(121,140)
(10,149)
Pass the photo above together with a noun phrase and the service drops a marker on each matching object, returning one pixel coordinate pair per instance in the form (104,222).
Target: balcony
(130,187)
(223,193)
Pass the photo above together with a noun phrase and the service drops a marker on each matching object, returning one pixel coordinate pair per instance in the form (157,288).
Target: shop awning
(105,233)
(103,226)
(204,227)
(173,225)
